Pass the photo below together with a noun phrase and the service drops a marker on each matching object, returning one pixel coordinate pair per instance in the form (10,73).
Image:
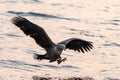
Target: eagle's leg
(64,59)
(59,60)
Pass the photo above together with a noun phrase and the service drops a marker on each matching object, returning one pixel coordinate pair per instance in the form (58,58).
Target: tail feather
(38,57)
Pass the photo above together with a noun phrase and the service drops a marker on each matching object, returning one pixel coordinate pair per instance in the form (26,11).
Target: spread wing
(77,44)
(34,31)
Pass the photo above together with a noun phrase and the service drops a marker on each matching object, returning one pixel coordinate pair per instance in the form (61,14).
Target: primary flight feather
(53,51)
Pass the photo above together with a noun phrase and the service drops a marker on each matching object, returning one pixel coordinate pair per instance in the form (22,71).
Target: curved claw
(64,59)
(59,60)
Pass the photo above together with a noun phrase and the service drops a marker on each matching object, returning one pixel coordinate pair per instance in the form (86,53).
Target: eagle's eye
(61,46)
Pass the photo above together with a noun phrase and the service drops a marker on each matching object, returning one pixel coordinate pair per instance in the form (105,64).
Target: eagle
(53,51)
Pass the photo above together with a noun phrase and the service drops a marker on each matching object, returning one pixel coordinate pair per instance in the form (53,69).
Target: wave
(47,16)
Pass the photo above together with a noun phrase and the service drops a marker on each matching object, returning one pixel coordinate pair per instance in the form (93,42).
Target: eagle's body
(53,51)
(52,54)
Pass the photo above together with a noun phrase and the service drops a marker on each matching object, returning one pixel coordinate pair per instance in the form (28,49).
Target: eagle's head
(60,46)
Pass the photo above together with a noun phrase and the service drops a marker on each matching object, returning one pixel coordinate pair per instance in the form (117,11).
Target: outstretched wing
(77,44)
(34,31)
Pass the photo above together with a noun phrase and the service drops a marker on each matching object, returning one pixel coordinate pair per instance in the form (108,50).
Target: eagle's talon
(59,60)
(64,59)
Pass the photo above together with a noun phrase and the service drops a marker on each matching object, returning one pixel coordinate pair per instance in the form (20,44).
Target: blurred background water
(97,21)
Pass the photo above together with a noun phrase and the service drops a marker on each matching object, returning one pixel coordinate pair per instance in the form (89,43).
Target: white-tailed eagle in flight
(53,51)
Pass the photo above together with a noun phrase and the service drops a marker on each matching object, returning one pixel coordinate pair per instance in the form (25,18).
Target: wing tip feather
(17,19)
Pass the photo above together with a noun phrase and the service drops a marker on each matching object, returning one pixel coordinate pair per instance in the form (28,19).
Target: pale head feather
(61,46)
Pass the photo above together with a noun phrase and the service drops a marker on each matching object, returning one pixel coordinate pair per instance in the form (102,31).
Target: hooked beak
(64,49)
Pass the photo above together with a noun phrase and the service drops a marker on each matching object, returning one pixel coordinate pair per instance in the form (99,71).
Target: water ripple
(112,44)
(19,65)
(48,16)
(9,35)
(114,22)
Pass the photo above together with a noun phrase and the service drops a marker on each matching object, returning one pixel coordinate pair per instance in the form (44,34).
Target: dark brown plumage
(78,44)
(53,51)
